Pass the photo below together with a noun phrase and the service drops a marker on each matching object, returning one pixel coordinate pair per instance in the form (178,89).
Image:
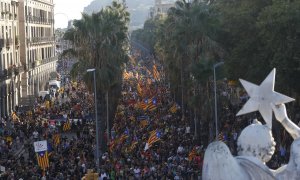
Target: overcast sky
(67,10)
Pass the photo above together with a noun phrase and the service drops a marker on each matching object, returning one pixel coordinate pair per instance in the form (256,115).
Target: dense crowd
(72,156)
(150,139)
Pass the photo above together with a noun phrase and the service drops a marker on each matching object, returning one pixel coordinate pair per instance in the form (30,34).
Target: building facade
(37,53)
(11,68)
(27,47)
(160,8)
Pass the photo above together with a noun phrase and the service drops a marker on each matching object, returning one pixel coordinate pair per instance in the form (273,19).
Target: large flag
(43,159)
(56,139)
(154,137)
(67,126)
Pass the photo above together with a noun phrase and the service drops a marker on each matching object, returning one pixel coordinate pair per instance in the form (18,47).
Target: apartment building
(37,51)
(27,45)
(11,68)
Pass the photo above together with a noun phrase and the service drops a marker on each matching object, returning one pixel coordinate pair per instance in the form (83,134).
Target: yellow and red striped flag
(67,126)
(154,137)
(156,74)
(143,105)
(152,107)
(43,159)
(56,139)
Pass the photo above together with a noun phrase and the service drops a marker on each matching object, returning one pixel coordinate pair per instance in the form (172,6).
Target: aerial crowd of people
(150,138)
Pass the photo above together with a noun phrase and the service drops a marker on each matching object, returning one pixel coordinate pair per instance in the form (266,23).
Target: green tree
(279,31)
(186,45)
(101,42)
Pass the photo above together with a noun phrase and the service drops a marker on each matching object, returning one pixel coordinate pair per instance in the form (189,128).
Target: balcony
(17,42)
(8,42)
(35,40)
(45,61)
(1,43)
(10,72)
(39,20)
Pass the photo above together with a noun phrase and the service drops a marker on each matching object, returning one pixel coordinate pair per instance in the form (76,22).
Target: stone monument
(256,144)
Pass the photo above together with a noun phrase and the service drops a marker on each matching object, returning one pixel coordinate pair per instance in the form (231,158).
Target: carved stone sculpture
(256,144)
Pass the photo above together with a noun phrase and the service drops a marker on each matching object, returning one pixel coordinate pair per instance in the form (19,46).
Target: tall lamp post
(215,92)
(96,118)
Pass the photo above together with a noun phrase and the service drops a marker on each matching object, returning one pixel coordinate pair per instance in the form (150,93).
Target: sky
(65,10)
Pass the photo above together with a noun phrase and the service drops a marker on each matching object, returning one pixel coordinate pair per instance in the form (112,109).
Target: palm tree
(100,42)
(187,40)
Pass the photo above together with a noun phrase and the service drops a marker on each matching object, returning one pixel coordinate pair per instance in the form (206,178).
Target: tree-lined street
(162,93)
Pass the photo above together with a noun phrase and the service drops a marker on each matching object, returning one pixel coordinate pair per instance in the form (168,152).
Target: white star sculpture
(261,98)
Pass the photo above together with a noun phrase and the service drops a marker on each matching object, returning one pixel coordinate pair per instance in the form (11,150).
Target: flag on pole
(43,159)
(67,126)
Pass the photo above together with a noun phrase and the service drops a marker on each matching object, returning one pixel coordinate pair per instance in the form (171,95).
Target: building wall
(11,68)
(39,49)
(27,49)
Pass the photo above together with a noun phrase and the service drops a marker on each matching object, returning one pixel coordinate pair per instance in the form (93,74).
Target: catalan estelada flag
(56,139)
(143,105)
(67,126)
(43,159)
(154,137)
(152,107)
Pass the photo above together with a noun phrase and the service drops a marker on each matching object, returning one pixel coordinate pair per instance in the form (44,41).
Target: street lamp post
(96,118)
(215,92)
